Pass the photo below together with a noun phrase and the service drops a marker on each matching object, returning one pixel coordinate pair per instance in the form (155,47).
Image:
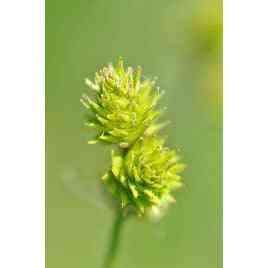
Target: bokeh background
(180,42)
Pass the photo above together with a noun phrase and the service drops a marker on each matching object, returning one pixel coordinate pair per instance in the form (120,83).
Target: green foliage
(144,172)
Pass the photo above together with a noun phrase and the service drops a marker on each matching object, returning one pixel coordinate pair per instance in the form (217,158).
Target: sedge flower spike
(144,172)
(124,107)
(145,176)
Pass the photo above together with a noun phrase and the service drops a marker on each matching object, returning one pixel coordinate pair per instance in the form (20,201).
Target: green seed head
(124,111)
(124,105)
(145,175)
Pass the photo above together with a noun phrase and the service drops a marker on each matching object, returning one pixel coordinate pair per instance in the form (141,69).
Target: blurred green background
(180,42)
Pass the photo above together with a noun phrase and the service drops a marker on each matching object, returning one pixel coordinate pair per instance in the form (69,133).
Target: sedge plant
(122,109)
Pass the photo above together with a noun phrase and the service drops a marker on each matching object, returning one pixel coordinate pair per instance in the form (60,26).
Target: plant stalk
(114,240)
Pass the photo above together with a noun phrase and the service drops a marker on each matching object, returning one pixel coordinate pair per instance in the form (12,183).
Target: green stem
(114,240)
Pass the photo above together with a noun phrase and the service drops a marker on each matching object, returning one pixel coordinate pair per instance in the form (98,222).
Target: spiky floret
(145,175)
(124,106)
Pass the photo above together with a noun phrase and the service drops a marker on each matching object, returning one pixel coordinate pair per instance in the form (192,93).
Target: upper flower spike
(124,105)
